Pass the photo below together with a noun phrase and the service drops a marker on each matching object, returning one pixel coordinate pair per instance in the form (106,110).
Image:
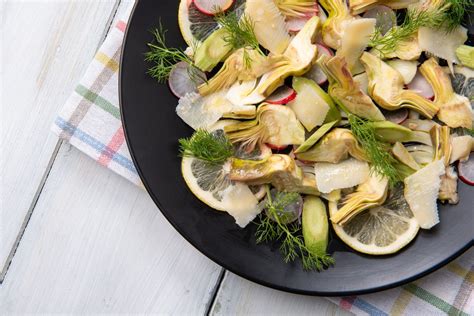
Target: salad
(310,116)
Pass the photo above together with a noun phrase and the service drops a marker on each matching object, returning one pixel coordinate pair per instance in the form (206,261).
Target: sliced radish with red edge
(211,7)
(421,86)
(277,147)
(295,24)
(315,73)
(282,95)
(466,170)
(180,82)
(398,116)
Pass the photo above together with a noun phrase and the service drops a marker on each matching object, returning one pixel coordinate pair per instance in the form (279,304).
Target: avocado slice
(333,114)
(315,224)
(212,51)
(315,137)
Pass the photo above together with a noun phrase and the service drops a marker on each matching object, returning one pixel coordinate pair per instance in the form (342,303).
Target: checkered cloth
(90,120)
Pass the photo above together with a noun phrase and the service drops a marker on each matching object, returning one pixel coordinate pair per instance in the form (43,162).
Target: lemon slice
(195,26)
(210,184)
(380,230)
(184,22)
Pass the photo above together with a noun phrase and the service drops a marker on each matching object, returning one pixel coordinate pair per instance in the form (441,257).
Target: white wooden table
(75,237)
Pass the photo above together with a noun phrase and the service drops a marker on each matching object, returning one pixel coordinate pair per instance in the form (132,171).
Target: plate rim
(217,260)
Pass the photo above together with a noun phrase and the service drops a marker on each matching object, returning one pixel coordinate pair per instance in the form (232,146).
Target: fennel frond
(292,243)
(207,146)
(164,58)
(445,14)
(240,33)
(378,153)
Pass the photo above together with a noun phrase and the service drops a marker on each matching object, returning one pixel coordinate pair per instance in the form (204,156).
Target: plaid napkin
(90,120)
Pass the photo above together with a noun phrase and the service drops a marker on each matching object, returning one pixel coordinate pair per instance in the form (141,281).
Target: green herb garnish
(210,147)
(292,246)
(240,33)
(164,58)
(380,158)
(448,15)
(469,131)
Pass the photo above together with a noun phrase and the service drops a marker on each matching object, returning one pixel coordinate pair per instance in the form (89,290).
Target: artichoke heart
(295,61)
(296,8)
(336,23)
(407,48)
(279,170)
(440,137)
(448,190)
(403,155)
(360,6)
(236,68)
(454,109)
(335,146)
(371,193)
(347,92)
(386,87)
(274,124)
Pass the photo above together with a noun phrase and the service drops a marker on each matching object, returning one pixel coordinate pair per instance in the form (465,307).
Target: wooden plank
(97,244)
(237,296)
(47,45)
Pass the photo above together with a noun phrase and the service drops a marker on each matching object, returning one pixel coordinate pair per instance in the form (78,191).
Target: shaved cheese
(268,24)
(309,107)
(354,41)
(346,174)
(461,148)
(442,44)
(202,112)
(241,203)
(421,193)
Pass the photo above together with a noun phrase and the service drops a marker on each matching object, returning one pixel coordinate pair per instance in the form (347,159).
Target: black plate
(152,130)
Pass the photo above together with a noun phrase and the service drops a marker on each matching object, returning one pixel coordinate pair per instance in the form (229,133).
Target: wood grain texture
(237,296)
(97,244)
(46,47)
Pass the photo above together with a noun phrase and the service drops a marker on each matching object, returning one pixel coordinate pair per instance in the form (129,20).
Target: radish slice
(296,24)
(179,81)
(466,170)
(384,16)
(397,117)
(421,86)
(282,95)
(315,73)
(211,7)
(276,147)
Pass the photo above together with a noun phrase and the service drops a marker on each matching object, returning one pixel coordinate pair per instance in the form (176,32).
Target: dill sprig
(240,33)
(377,152)
(164,58)
(292,245)
(448,16)
(469,131)
(210,147)
(455,12)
